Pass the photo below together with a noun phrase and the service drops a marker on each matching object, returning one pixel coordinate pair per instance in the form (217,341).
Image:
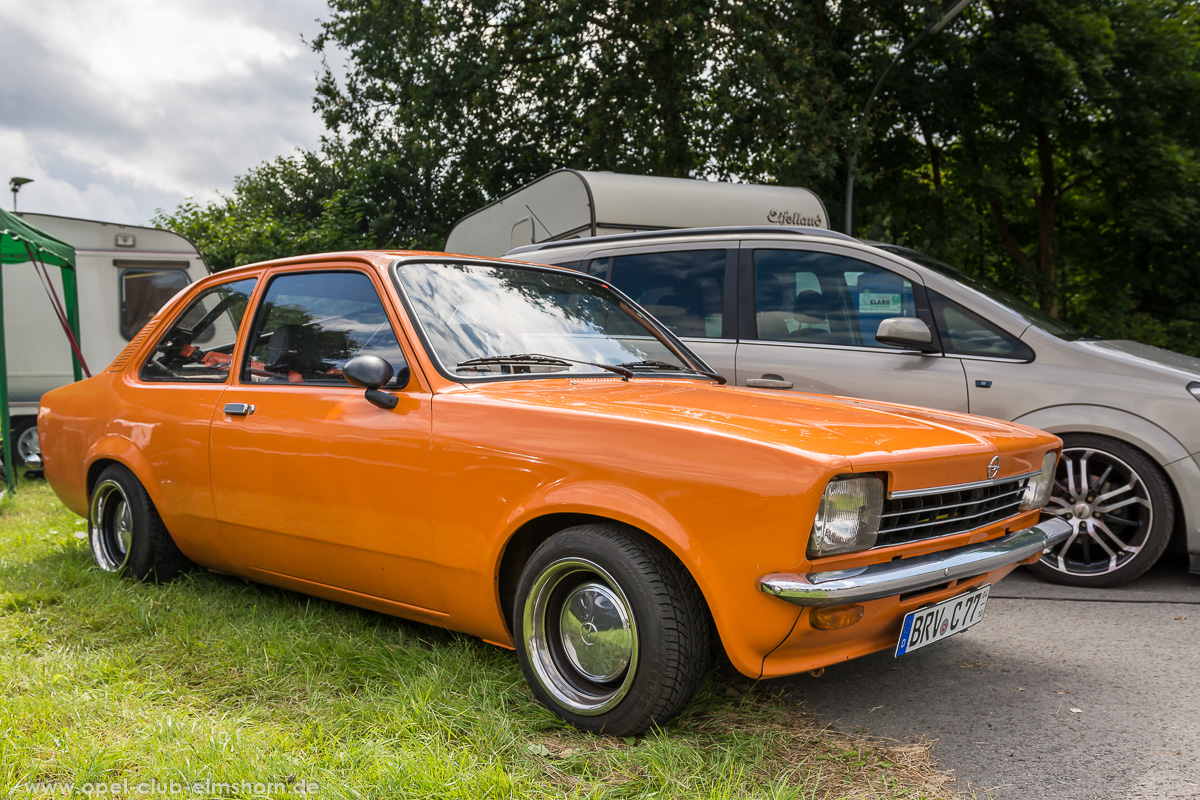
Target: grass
(212,679)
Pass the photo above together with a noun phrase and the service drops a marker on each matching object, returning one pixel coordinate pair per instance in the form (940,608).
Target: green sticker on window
(888,303)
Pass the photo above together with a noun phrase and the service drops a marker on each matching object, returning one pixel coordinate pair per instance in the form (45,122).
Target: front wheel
(611,630)
(1120,506)
(127,535)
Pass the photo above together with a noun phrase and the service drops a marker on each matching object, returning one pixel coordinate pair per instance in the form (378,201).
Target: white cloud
(120,107)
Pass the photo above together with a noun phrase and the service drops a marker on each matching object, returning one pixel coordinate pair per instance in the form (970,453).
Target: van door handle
(769,382)
(239,409)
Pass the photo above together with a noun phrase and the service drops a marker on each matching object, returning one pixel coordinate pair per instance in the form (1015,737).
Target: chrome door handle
(239,409)
(769,382)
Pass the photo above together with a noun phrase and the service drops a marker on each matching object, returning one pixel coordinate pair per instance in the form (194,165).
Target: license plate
(934,623)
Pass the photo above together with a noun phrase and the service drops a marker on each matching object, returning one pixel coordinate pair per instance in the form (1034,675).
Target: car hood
(1151,358)
(936,448)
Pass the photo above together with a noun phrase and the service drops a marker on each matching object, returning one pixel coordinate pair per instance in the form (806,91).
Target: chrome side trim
(958,487)
(891,578)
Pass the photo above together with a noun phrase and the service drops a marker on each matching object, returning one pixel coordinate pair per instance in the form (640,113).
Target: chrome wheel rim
(1109,508)
(111,526)
(27,444)
(580,636)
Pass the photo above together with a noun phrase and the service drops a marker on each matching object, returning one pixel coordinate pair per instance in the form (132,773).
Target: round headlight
(1037,491)
(848,517)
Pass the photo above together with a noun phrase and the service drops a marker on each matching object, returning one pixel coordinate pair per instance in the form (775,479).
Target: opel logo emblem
(993,467)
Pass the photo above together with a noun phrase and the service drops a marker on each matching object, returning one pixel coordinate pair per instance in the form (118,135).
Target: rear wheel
(1120,506)
(611,630)
(127,535)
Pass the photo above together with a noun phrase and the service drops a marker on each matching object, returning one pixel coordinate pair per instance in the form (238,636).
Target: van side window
(965,333)
(823,298)
(599,267)
(144,292)
(684,290)
(214,316)
(310,324)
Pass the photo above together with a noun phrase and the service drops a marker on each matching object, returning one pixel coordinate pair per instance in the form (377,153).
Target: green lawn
(213,679)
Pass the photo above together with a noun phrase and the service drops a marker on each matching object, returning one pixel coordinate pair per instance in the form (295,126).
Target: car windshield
(1032,315)
(485,321)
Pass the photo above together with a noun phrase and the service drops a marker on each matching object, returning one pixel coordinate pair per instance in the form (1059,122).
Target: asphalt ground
(1078,694)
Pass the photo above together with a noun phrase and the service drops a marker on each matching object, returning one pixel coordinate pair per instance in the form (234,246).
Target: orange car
(536,462)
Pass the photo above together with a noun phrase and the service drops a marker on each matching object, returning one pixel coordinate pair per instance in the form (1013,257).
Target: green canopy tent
(21,242)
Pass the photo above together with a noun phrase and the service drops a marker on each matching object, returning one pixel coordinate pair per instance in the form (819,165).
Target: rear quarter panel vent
(123,357)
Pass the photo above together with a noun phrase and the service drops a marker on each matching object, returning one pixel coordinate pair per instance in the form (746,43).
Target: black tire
(633,598)
(127,535)
(1121,507)
(24,437)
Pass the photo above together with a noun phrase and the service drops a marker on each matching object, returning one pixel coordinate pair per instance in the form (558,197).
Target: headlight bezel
(850,499)
(1041,486)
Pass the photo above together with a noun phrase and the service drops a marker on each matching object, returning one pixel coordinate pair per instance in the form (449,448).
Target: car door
(172,401)
(310,480)
(995,360)
(689,288)
(808,316)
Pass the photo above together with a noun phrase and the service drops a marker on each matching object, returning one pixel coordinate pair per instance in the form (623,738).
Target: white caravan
(571,204)
(124,273)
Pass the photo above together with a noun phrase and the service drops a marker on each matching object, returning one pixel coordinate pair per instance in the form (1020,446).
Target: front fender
(749,623)
(1137,431)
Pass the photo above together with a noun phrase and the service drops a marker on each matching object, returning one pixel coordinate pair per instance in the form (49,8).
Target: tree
(1069,127)
(467,101)
(289,206)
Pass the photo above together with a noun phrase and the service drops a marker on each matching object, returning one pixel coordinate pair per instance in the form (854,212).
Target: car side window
(684,290)
(311,323)
(214,316)
(965,333)
(824,298)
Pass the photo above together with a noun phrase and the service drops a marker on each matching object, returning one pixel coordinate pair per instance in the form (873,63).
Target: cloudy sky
(119,107)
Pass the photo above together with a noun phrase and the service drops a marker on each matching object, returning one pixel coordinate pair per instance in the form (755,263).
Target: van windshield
(1032,315)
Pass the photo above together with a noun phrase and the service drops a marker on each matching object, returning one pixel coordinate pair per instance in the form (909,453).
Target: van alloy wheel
(1119,505)
(25,435)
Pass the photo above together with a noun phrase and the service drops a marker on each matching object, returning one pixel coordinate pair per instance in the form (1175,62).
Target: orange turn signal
(835,617)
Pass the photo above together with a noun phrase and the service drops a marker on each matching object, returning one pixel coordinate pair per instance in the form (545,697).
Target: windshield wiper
(663,365)
(536,358)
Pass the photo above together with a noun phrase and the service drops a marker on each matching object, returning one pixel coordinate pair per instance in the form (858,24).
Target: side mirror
(371,372)
(907,332)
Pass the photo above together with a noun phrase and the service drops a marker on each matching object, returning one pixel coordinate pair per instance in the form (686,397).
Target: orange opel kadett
(537,462)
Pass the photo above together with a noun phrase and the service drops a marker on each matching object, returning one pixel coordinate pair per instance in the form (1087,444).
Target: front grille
(949,511)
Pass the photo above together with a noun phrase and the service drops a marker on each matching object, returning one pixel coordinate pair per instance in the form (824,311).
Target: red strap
(59,312)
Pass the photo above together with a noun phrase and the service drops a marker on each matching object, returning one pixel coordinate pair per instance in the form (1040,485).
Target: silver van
(807,309)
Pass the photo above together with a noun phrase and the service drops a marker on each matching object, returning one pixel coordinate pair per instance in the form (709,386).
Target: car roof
(380,259)
(669,233)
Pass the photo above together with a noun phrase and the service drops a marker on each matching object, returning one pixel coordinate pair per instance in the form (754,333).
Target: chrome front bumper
(913,574)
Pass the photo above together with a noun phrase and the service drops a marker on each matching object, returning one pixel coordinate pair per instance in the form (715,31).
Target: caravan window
(143,292)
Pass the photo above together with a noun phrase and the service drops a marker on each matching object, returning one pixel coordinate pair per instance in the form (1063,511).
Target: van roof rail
(672,232)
